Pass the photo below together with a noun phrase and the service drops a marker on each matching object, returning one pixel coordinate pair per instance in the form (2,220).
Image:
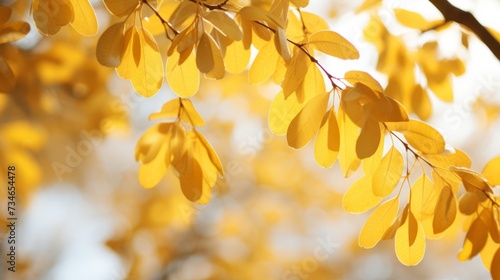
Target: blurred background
(71,126)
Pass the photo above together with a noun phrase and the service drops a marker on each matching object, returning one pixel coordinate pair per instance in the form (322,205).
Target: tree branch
(452,13)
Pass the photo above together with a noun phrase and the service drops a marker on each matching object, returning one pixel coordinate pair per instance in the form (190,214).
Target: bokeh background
(71,126)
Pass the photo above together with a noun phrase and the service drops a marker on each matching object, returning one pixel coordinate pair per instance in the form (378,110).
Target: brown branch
(452,13)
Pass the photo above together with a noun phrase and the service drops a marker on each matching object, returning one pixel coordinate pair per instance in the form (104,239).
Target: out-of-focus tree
(60,90)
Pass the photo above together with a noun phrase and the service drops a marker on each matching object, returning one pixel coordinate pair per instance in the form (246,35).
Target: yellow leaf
(349,134)
(110,46)
(491,171)
(313,22)
(300,3)
(495,266)
(149,75)
(378,223)
(169,109)
(192,181)
(410,241)
(150,173)
(387,175)
(445,211)
(354,77)
(296,72)
(209,58)
(423,198)
(471,179)
(421,104)
(368,140)
(85,21)
(128,68)
(214,158)
(468,203)
(359,197)
(395,112)
(414,20)
(121,8)
(236,57)
(281,44)
(192,116)
(474,240)
(224,24)
(183,79)
(264,64)
(326,147)
(6,76)
(420,135)
(307,122)
(445,160)
(13,31)
(371,163)
(333,44)
(253,13)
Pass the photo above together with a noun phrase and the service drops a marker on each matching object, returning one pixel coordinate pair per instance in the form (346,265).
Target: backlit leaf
(307,122)
(332,43)
(121,8)
(387,175)
(168,110)
(424,196)
(264,64)
(214,158)
(359,197)
(296,72)
(224,24)
(421,103)
(491,171)
(183,79)
(471,179)
(378,223)
(420,135)
(326,147)
(410,241)
(209,58)
(368,140)
(474,240)
(349,133)
(354,77)
(253,13)
(446,210)
(6,76)
(192,181)
(152,172)
(192,116)
(281,44)
(85,21)
(110,46)
(236,57)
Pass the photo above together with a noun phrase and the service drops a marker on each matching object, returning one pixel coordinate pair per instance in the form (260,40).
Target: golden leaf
(445,211)
(378,223)
(491,171)
(474,240)
(332,43)
(191,115)
(471,179)
(387,175)
(296,72)
(264,64)
(410,241)
(85,21)
(6,76)
(236,57)
(209,58)
(349,134)
(368,140)
(326,147)
(13,31)
(424,196)
(359,197)
(192,181)
(421,103)
(224,24)
(183,78)
(110,46)
(420,135)
(307,122)
(354,77)
(121,8)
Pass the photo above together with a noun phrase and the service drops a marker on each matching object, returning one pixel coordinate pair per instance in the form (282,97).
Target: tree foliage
(417,185)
